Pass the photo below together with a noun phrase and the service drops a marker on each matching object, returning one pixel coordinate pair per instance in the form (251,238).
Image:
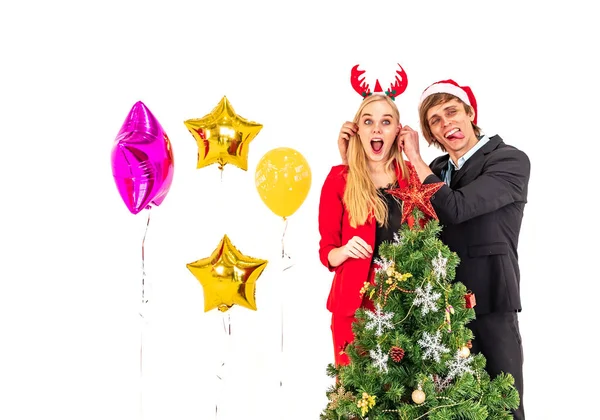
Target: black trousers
(497,337)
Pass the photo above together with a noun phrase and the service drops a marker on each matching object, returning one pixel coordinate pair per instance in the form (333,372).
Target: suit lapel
(472,167)
(439,166)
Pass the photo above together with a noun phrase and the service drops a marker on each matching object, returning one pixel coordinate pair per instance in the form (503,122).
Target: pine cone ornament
(396,353)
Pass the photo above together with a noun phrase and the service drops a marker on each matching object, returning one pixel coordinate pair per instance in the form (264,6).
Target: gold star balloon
(228,277)
(223,136)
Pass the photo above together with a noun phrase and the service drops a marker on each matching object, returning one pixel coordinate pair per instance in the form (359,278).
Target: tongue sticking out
(376,145)
(456,136)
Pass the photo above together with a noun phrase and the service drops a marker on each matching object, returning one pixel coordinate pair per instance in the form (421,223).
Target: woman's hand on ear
(348,130)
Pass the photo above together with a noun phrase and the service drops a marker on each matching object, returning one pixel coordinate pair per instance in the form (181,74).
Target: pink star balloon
(142,160)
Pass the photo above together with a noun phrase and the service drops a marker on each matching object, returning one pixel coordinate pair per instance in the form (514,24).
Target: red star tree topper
(416,195)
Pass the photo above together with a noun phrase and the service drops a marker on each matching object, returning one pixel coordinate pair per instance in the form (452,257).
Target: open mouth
(454,134)
(377,145)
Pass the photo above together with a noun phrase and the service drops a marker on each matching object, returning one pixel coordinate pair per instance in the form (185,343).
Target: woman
(356,214)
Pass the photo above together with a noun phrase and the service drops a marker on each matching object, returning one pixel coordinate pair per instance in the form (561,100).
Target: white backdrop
(70,261)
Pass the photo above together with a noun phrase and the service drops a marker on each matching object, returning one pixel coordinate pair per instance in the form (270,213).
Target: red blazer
(334,227)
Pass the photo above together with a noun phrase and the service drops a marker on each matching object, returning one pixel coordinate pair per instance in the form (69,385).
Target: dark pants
(497,337)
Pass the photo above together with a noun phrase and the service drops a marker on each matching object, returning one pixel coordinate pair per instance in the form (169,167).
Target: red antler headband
(464,93)
(362,87)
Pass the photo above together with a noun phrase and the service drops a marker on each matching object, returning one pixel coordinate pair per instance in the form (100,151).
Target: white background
(70,260)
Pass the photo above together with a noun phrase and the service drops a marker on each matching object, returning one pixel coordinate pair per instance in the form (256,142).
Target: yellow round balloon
(283,179)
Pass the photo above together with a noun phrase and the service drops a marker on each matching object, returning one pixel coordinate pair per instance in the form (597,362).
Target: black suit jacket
(480,214)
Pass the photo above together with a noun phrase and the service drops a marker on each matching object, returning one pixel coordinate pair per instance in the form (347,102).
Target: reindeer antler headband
(362,87)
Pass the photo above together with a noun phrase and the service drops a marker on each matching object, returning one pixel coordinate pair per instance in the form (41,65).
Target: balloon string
(281,362)
(220,375)
(144,299)
(285,223)
(144,302)
(281,367)
(286,265)
(223,192)
(285,257)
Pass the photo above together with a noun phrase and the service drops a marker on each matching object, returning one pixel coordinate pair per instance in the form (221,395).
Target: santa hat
(464,93)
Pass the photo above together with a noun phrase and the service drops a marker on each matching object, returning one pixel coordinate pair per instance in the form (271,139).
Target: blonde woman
(356,214)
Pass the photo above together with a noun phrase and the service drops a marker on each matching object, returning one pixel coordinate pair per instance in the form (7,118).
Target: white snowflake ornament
(459,365)
(382,264)
(379,359)
(379,319)
(427,299)
(432,346)
(439,265)
(398,239)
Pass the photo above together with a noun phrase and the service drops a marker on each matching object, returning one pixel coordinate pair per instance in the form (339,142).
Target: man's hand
(408,140)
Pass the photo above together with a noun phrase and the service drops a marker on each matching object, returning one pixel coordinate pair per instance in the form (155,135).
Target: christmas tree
(410,358)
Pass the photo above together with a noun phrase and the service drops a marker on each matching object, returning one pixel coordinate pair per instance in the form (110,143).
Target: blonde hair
(434,100)
(361,197)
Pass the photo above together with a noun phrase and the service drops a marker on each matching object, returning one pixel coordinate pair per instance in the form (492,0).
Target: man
(480,210)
